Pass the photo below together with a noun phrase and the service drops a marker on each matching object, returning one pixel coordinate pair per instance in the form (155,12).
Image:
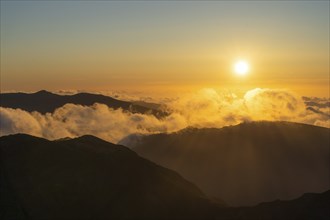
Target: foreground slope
(88,178)
(44,102)
(245,164)
(310,206)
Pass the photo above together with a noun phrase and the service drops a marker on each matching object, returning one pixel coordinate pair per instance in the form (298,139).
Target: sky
(165,46)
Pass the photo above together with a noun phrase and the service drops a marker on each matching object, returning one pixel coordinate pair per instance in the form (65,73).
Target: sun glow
(241,67)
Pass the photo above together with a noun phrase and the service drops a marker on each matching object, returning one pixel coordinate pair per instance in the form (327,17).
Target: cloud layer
(206,108)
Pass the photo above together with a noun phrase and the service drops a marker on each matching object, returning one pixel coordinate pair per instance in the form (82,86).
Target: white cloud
(206,108)
(76,120)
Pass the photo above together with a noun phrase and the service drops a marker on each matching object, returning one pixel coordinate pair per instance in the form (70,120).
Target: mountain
(245,164)
(307,207)
(44,102)
(88,178)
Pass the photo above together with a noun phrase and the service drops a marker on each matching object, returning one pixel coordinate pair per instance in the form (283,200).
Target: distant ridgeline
(244,164)
(44,102)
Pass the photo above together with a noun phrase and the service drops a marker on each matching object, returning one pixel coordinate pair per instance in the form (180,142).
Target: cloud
(265,104)
(206,108)
(18,121)
(76,120)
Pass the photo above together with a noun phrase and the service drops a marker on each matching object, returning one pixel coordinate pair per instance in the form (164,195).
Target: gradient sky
(164,46)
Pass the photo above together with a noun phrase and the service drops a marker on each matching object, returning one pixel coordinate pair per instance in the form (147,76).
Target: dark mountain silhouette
(44,102)
(88,178)
(245,164)
(307,207)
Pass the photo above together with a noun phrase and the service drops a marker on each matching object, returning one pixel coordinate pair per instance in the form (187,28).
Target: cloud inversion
(206,108)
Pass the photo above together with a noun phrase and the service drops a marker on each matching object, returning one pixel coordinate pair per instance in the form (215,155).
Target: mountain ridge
(43,179)
(257,161)
(46,102)
(88,178)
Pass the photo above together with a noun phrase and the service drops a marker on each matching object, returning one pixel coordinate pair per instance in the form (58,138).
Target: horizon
(164,109)
(165,47)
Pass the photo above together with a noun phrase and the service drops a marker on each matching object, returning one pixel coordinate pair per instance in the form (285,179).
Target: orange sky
(165,47)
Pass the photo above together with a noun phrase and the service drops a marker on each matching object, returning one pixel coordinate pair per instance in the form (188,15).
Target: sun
(241,67)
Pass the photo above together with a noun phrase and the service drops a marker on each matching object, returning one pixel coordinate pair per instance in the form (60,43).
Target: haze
(164,110)
(164,47)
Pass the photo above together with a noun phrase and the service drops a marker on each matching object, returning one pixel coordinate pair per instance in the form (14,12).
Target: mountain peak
(89,138)
(43,92)
(88,175)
